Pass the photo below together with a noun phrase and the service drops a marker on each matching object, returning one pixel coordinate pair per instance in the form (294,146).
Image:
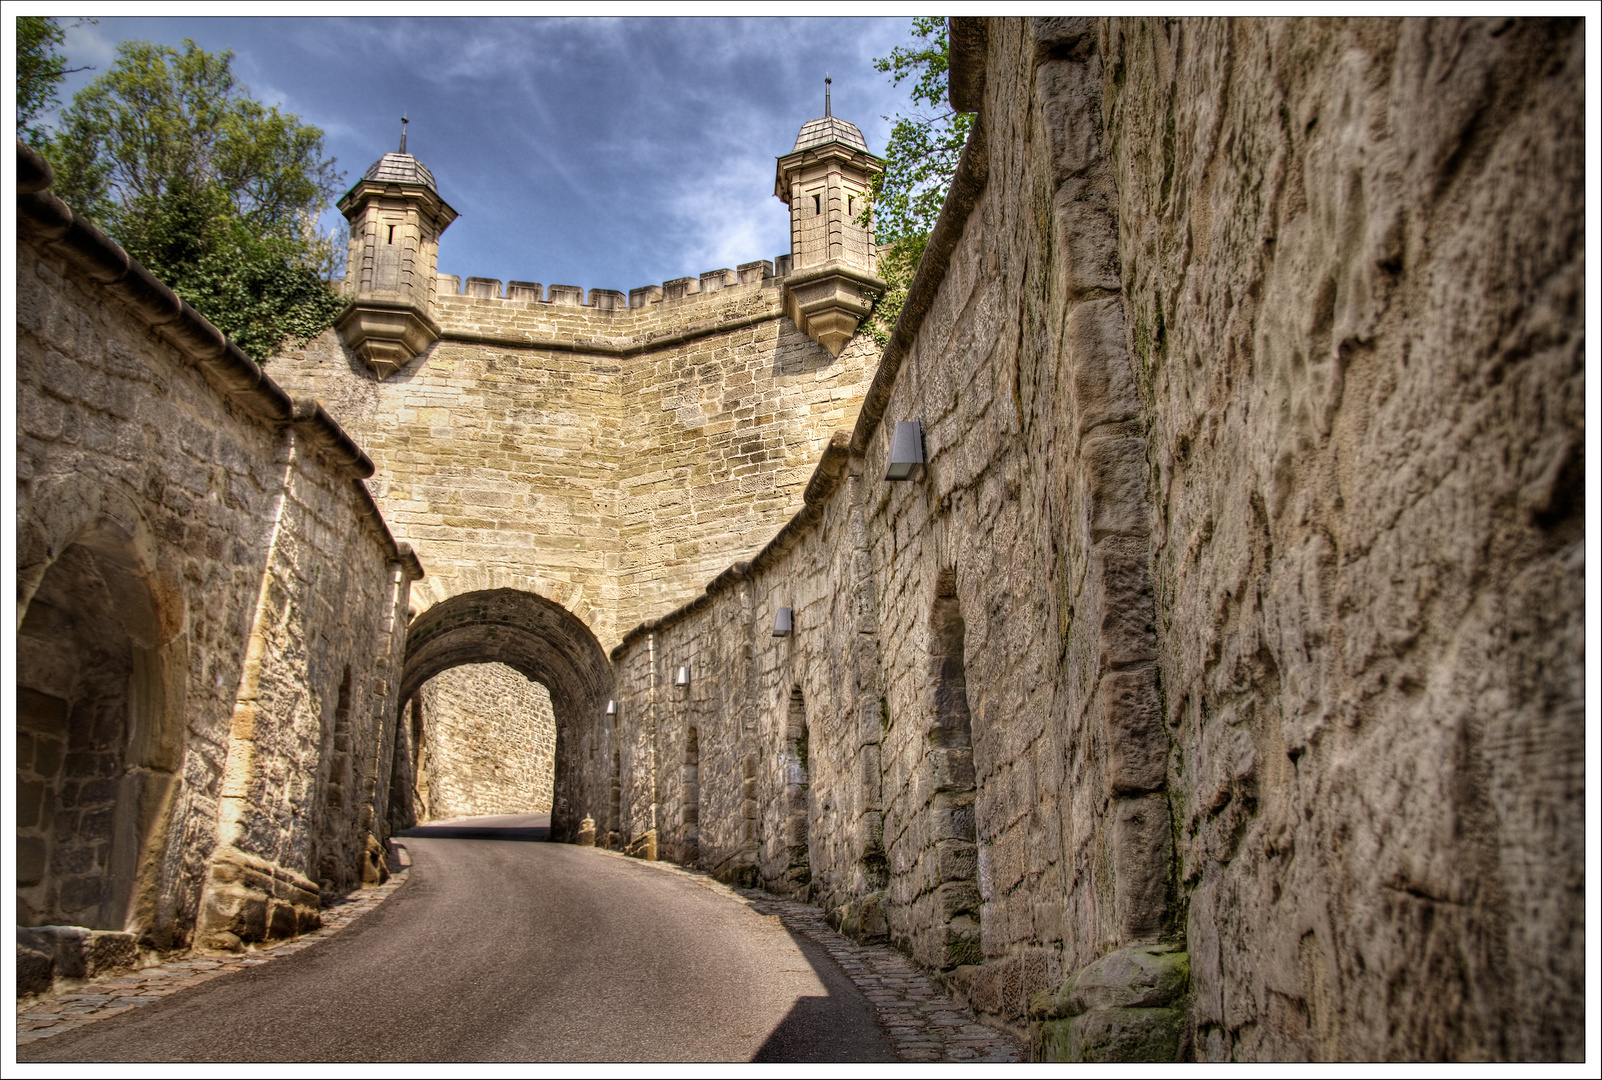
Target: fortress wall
(607,459)
(488,746)
(115,429)
(1250,545)
(721,435)
(498,463)
(313,736)
(1353,264)
(198,567)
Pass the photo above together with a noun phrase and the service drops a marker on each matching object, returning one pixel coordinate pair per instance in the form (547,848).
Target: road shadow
(517,827)
(842,1026)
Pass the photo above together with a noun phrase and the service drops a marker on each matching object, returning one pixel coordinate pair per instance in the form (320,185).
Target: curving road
(501,947)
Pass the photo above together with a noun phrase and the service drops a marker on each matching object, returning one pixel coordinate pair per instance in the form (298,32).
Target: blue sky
(599,152)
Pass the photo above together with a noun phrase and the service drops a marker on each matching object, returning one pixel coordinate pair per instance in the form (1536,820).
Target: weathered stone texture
(1237,616)
(487,746)
(1216,692)
(1353,262)
(609,459)
(198,571)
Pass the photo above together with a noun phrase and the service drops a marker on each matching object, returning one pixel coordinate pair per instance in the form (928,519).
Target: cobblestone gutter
(922,1022)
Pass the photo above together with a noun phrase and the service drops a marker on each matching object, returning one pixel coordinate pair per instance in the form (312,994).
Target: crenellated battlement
(528,294)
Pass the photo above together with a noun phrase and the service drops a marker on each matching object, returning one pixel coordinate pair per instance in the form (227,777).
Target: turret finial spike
(826,81)
(403,134)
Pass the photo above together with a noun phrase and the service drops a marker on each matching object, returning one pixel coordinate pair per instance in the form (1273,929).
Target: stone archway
(100,716)
(543,641)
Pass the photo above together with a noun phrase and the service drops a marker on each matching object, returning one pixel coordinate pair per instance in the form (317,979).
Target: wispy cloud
(607,153)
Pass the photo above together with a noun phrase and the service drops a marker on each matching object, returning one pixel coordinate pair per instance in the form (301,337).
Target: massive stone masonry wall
(1248,555)
(486,739)
(609,458)
(1354,267)
(208,639)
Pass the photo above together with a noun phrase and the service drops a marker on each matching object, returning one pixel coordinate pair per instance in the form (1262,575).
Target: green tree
(40,70)
(920,160)
(216,193)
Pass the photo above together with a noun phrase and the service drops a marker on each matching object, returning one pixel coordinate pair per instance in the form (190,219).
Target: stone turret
(396,217)
(825,180)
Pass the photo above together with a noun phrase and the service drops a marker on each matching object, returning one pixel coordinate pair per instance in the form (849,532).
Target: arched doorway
(545,643)
(100,732)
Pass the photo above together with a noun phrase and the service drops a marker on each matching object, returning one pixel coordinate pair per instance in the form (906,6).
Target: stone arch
(538,638)
(101,686)
(953,834)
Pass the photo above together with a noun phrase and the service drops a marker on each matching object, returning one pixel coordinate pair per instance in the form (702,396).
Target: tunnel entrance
(482,742)
(481,651)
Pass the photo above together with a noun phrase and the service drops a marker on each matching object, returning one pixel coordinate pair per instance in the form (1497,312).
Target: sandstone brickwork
(610,459)
(1213,689)
(1217,692)
(486,739)
(211,614)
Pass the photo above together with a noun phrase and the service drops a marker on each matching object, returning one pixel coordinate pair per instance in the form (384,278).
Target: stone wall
(210,613)
(1353,271)
(1217,690)
(487,743)
(607,457)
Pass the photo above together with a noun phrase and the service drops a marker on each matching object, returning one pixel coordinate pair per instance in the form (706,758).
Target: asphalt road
(501,947)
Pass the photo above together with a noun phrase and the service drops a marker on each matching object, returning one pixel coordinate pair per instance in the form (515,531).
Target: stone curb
(96,999)
(922,1022)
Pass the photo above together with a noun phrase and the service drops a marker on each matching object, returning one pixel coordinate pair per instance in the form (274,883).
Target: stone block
(1141,845)
(754,273)
(951,769)
(956,860)
(679,288)
(525,292)
(1069,92)
(714,280)
(1137,742)
(30,860)
(1114,471)
(1103,378)
(484,288)
(1134,977)
(1111,1035)
(565,296)
(36,963)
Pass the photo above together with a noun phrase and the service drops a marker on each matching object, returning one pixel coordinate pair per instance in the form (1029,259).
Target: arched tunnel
(541,640)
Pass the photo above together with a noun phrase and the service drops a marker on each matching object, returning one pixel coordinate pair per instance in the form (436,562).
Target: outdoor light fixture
(611,707)
(783,622)
(682,678)
(906,452)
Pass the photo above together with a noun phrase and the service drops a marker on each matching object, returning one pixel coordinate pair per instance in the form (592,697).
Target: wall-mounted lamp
(611,707)
(682,676)
(906,452)
(783,622)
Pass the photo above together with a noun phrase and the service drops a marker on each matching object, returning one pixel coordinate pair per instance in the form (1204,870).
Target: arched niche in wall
(101,683)
(534,636)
